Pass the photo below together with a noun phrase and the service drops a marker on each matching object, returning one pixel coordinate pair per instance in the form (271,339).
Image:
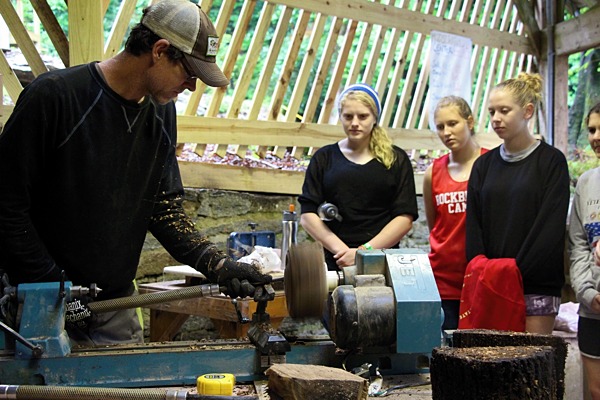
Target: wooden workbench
(166,319)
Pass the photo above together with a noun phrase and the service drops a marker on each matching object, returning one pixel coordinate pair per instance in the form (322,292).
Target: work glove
(240,279)
(8,303)
(78,314)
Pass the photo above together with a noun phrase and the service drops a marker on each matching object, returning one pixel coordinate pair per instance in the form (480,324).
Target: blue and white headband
(368,90)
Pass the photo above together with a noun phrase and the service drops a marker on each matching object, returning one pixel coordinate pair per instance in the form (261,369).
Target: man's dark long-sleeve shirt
(84,174)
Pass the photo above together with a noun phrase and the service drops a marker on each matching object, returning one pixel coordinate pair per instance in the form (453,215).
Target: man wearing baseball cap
(88,166)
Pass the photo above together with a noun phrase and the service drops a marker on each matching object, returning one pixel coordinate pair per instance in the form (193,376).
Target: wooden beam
(578,34)
(306,67)
(271,60)
(228,177)
(327,58)
(86,32)
(5,112)
(283,81)
(525,11)
(22,38)
(234,48)
(55,33)
(561,110)
(119,28)
(11,82)
(277,133)
(415,21)
(253,56)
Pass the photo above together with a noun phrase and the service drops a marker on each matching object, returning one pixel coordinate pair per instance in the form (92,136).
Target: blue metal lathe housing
(411,330)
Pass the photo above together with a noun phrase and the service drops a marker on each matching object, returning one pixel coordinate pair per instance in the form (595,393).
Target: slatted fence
(289,59)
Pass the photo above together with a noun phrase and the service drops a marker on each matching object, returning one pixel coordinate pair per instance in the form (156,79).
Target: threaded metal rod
(154,298)
(32,392)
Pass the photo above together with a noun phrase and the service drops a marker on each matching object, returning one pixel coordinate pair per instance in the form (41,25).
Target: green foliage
(582,160)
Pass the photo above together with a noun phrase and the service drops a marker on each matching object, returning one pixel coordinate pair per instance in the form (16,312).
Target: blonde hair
(380,144)
(525,88)
(464,110)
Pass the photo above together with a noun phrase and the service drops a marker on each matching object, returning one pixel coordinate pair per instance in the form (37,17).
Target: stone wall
(217,213)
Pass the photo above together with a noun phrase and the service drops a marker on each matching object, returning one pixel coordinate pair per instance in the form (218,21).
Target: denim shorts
(540,305)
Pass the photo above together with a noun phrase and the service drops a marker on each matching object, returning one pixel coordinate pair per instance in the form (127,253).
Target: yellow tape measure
(218,384)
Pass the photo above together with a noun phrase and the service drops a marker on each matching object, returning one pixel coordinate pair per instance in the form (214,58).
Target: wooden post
(86,33)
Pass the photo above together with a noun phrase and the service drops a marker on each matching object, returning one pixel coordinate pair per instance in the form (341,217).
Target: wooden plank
(53,29)
(388,59)
(377,40)
(167,318)
(397,80)
(424,119)
(337,74)
(561,111)
(19,33)
(260,180)
(329,50)
(5,111)
(290,62)
(276,133)
(361,50)
(233,49)
(193,103)
(478,67)
(243,81)
(227,177)
(284,80)
(86,31)
(506,55)
(486,78)
(11,82)
(306,67)
(475,53)
(578,34)
(224,130)
(164,325)
(526,14)
(265,76)
(418,116)
(409,80)
(119,28)
(389,16)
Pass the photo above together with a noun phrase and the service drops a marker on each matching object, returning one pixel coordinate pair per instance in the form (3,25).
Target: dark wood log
(484,337)
(314,382)
(493,373)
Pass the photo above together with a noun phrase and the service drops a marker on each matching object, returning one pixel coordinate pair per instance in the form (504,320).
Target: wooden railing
(270,133)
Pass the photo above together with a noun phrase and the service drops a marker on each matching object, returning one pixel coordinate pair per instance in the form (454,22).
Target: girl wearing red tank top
(445,198)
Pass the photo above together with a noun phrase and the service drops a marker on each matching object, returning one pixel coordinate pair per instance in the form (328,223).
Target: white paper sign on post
(450,69)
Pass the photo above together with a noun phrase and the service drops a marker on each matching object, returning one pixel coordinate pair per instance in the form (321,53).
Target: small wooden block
(315,382)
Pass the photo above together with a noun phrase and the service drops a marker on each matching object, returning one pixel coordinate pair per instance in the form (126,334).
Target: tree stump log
(485,337)
(493,373)
(314,382)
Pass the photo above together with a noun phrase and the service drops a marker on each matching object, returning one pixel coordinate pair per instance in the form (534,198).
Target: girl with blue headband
(365,177)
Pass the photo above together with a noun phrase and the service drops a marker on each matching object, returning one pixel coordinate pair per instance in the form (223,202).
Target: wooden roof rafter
(417,21)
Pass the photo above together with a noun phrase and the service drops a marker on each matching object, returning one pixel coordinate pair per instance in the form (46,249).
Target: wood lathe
(385,312)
